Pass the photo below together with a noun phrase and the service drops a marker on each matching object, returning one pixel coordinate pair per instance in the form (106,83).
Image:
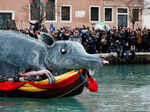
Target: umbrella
(101,26)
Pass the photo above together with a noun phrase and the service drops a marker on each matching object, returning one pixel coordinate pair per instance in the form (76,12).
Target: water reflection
(128,73)
(40,105)
(121,89)
(125,88)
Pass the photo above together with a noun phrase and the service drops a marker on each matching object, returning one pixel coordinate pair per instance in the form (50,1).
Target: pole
(39,14)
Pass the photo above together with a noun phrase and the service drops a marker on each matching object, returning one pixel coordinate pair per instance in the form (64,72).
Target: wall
(140,58)
(77,5)
(21,9)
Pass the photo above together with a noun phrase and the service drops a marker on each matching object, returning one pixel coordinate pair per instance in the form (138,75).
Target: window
(5,18)
(108,14)
(66,13)
(135,13)
(51,10)
(122,17)
(122,10)
(34,10)
(94,14)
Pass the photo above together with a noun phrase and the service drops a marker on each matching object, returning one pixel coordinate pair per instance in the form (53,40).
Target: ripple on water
(121,89)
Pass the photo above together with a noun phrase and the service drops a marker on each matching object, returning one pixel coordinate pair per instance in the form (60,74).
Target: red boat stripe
(60,84)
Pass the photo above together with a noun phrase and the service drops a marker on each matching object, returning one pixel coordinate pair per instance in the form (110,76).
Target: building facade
(146,14)
(73,13)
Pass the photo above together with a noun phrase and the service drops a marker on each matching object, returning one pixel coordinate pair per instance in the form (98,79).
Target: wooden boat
(68,84)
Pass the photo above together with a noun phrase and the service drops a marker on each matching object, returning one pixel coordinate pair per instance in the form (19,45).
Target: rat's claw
(50,77)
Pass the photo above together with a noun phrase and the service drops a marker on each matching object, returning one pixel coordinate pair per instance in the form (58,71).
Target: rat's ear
(48,39)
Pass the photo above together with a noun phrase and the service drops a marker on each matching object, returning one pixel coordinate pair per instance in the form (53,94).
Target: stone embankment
(139,58)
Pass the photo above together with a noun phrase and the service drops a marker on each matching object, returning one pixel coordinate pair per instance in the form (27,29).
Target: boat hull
(75,88)
(68,84)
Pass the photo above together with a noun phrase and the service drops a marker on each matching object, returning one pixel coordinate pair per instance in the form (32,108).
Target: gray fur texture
(20,53)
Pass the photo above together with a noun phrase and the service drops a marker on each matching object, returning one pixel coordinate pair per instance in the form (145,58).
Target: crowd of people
(124,41)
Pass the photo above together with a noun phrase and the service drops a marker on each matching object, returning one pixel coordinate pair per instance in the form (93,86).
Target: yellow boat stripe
(29,88)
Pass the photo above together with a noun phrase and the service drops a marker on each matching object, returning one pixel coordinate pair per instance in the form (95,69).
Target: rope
(72,89)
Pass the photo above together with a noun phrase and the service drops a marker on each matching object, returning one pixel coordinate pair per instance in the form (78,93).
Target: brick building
(73,12)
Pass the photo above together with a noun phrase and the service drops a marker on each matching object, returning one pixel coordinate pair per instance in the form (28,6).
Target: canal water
(121,89)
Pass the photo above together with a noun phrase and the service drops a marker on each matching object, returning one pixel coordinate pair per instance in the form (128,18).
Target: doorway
(122,20)
(122,17)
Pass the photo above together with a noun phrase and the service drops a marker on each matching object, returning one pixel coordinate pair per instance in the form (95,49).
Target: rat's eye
(63,51)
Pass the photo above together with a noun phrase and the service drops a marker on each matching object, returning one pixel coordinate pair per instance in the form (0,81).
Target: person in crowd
(118,48)
(91,46)
(52,28)
(34,29)
(126,51)
(120,40)
(132,51)
(139,40)
(76,37)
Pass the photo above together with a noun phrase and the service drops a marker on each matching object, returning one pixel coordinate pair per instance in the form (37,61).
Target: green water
(121,89)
